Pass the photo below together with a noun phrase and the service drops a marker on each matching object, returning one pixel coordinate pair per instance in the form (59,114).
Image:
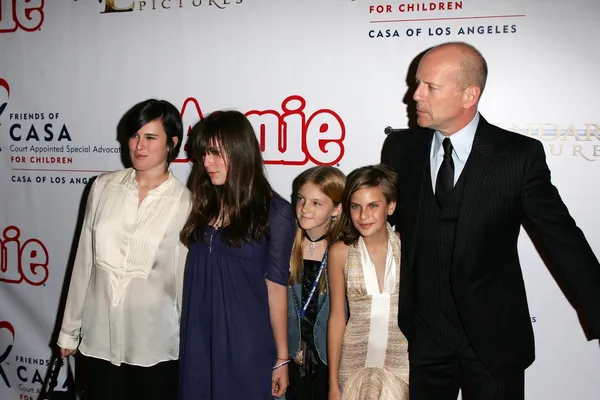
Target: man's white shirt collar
(462,141)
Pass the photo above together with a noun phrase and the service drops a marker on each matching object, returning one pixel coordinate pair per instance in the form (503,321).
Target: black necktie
(445,177)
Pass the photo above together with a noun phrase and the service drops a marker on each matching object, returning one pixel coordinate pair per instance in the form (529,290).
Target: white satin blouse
(124,297)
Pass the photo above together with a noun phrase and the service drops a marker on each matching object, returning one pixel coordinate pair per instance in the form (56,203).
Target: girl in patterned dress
(368,357)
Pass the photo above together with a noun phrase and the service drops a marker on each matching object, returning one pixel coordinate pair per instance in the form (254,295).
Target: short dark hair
(163,111)
(366,177)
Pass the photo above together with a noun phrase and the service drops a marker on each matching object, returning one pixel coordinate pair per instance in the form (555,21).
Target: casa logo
(4,94)
(31,127)
(7,335)
(40,140)
(25,15)
(121,6)
(22,260)
(290,136)
(26,372)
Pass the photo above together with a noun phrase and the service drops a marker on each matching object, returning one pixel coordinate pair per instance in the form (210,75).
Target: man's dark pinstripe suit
(507,182)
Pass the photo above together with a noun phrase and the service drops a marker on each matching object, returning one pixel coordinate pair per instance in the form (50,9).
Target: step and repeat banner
(319,79)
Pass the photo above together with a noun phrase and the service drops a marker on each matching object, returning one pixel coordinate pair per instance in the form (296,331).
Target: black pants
(312,386)
(442,361)
(104,381)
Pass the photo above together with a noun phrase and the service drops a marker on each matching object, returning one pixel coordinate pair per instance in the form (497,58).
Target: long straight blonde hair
(331,182)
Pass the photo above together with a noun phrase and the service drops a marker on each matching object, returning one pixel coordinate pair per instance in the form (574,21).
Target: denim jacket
(294,324)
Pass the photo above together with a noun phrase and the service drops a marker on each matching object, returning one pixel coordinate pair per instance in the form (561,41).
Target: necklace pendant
(312,247)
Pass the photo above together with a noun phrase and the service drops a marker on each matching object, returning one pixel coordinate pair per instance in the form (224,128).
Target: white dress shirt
(124,297)
(462,142)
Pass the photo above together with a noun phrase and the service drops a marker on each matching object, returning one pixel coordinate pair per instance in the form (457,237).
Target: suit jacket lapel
(479,173)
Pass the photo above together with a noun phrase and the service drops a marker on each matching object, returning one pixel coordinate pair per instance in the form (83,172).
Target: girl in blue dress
(239,234)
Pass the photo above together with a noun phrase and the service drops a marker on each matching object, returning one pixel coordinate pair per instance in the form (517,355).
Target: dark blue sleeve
(192,348)
(281,239)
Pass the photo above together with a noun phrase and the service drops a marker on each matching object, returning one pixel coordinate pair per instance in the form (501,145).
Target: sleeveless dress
(374,359)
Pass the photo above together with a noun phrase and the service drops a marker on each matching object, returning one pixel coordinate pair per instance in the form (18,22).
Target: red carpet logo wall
(4,95)
(450,19)
(42,148)
(319,81)
(21,15)
(290,136)
(23,373)
(22,260)
(6,329)
(120,6)
(580,140)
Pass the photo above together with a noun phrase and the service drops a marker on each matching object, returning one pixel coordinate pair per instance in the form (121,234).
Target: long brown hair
(330,181)
(365,177)
(246,193)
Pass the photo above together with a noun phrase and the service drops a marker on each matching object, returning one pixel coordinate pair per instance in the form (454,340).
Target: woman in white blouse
(124,301)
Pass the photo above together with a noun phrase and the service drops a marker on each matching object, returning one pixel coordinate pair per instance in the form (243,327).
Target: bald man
(465,188)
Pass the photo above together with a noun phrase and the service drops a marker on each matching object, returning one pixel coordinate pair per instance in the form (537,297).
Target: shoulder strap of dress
(353,257)
(396,245)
